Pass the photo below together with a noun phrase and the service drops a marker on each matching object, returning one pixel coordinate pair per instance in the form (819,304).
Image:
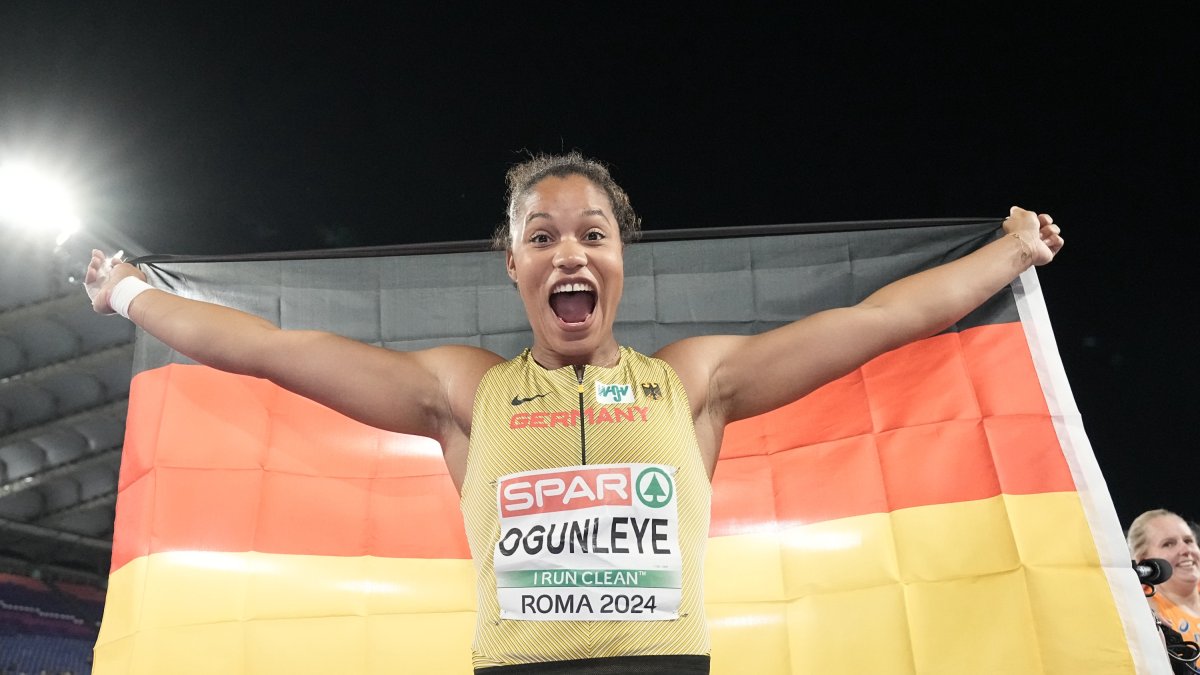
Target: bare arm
(733,377)
(428,393)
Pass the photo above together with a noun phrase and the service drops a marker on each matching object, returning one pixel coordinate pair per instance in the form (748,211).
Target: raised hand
(1038,231)
(103,272)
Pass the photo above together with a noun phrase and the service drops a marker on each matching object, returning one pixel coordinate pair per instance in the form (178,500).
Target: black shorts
(614,665)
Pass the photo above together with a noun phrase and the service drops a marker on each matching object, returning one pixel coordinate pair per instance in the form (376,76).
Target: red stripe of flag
(227,463)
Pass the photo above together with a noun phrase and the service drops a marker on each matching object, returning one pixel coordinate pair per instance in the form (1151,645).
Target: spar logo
(569,490)
(614,393)
(654,487)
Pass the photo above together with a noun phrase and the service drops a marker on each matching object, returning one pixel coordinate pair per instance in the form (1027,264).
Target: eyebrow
(586,212)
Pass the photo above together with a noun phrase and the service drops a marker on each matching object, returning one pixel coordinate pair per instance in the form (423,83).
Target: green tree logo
(654,487)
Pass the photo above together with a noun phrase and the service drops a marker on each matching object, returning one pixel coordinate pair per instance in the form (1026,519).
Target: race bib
(589,543)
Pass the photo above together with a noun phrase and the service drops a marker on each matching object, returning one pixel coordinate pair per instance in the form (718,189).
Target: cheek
(615,269)
(518,268)
(525,285)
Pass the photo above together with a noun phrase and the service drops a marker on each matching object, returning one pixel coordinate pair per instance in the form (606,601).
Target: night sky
(211,130)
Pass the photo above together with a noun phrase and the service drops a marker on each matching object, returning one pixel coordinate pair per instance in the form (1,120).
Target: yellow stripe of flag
(831,597)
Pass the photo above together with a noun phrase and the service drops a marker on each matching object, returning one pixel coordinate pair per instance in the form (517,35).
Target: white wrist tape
(124,292)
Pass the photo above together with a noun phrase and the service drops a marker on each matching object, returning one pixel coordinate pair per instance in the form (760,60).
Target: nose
(570,255)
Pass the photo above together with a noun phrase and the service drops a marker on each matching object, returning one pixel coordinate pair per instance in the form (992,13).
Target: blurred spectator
(1176,602)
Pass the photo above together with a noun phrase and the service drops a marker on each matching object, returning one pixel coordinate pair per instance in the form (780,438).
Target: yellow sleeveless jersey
(543,441)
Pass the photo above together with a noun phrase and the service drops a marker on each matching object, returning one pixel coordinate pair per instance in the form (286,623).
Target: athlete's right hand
(103,272)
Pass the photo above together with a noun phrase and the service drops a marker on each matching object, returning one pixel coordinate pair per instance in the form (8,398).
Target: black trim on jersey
(682,664)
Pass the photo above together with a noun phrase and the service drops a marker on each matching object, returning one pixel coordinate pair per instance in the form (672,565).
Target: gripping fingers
(99,271)
(1050,235)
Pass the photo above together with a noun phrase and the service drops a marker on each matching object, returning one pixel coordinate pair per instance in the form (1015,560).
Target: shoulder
(652,365)
(696,361)
(457,365)
(457,371)
(466,352)
(698,357)
(1164,605)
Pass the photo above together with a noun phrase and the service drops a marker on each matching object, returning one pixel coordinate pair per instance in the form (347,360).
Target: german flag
(937,511)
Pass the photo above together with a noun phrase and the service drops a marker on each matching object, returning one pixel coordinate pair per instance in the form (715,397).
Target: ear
(510,264)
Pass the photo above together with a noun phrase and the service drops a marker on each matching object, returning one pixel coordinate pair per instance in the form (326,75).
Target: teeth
(571,288)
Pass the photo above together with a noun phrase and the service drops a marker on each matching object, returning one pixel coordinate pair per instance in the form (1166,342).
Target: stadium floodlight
(33,202)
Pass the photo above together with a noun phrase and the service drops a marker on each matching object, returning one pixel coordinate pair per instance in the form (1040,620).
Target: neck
(1182,593)
(605,356)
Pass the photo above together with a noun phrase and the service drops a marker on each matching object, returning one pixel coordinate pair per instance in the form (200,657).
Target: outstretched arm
(733,377)
(426,393)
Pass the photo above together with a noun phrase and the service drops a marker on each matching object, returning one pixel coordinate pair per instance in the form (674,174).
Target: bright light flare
(33,201)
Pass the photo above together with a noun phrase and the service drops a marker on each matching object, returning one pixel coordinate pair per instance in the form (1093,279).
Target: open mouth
(573,302)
